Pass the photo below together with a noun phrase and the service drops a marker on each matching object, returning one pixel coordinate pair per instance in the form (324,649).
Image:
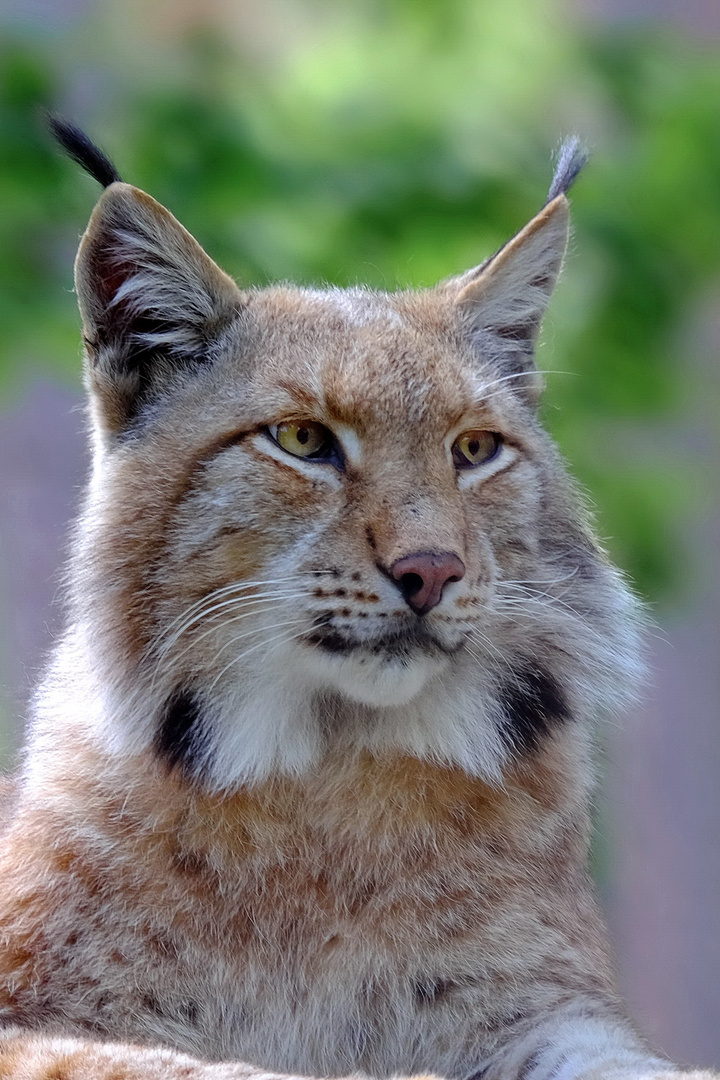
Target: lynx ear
(152,302)
(502,302)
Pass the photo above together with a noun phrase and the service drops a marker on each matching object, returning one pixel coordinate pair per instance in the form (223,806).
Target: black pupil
(473,447)
(302,435)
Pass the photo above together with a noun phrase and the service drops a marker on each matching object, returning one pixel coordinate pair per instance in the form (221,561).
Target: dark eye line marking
(223,442)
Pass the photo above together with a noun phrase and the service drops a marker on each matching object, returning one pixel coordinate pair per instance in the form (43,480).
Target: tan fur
(271,818)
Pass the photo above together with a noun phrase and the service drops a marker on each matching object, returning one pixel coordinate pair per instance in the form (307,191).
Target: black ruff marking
(77,146)
(179,738)
(533,705)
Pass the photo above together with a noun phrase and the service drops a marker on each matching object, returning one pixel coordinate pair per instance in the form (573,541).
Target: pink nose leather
(423,575)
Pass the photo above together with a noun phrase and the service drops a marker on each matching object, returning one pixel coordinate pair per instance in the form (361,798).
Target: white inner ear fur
(135,255)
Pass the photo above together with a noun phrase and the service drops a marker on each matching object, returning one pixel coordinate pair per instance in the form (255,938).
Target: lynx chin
(306,790)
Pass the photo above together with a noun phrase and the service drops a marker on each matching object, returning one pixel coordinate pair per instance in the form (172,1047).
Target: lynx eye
(475,448)
(304,438)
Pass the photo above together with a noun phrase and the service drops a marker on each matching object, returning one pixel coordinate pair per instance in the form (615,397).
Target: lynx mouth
(388,669)
(397,645)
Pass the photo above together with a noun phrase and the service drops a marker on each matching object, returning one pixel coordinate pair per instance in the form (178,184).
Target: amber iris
(475,448)
(303,438)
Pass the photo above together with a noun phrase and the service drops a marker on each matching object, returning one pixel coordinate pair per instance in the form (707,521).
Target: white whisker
(541,581)
(219,609)
(499,382)
(247,652)
(237,586)
(227,621)
(255,631)
(528,598)
(477,637)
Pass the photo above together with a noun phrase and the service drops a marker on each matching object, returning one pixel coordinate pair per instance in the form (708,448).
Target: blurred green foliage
(403,143)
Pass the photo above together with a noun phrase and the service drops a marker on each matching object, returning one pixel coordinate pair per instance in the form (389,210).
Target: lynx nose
(422,576)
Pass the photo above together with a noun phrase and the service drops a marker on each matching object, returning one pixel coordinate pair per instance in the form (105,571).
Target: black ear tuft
(76,145)
(571,159)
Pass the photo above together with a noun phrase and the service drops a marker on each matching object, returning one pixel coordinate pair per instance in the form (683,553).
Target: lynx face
(327,519)
(367,540)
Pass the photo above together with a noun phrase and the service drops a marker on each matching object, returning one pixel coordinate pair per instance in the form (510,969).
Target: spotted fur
(272,817)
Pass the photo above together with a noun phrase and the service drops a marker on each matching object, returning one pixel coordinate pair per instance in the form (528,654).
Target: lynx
(307,783)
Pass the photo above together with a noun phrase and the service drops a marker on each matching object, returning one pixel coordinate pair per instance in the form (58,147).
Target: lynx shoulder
(307,780)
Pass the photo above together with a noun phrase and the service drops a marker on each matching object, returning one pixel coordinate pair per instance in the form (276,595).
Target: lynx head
(329,518)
